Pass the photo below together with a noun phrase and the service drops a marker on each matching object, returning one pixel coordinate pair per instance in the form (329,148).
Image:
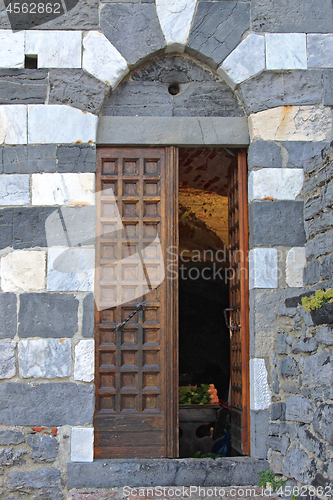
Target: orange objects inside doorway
(137,288)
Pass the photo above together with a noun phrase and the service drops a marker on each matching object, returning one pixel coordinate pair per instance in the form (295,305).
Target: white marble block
(45,358)
(60,124)
(11,49)
(275,183)
(13,124)
(175,17)
(7,359)
(14,189)
(292,123)
(286,51)
(260,394)
(102,60)
(63,189)
(263,268)
(23,271)
(82,447)
(245,61)
(84,360)
(295,263)
(55,49)
(70,269)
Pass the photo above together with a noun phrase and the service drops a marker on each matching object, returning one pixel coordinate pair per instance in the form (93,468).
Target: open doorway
(136,325)
(204,302)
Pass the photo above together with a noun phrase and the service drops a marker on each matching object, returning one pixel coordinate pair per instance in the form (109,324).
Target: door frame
(172,322)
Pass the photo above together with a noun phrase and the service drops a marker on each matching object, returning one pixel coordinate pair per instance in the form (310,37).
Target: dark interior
(204,342)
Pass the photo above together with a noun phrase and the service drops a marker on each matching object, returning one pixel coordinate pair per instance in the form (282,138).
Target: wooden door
(136,361)
(239,303)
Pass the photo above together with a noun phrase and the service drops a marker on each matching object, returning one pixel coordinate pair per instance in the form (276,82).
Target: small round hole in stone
(173,88)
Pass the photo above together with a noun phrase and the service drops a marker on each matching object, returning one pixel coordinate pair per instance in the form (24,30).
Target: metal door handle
(230,324)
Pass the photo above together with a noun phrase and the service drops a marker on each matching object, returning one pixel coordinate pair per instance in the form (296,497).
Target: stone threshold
(165,472)
(174,493)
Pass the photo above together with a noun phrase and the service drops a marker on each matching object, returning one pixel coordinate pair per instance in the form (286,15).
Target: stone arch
(204,110)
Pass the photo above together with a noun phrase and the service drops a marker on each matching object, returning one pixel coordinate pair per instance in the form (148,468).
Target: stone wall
(270,62)
(47,315)
(300,423)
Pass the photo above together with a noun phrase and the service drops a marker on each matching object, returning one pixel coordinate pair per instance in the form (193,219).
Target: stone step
(165,472)
(174,493)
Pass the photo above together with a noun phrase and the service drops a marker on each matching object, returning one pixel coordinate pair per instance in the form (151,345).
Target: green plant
(268,477)
(316,300)
(194,395)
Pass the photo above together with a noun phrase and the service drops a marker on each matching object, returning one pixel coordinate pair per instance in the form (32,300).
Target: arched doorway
(172,100)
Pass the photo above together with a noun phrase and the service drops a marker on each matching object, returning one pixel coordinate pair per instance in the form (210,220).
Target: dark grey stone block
(299,409)
(81,15)
(15,159)
(274,223)
(301,153)
(312,165)
(325,335)
(289,368)
(326,267)
(318,369)
(44,447)
(29,226)
(42,158)
(259,432)
(311,443)
(295,16)
(264,154)
(322,422)
(174,130)
(281,345)
(51,404)
(274,443)
(8,315)
(327,195)
(43,483)
(44,226)
(206,99)
(139,99)
(133,29)
(322,393)
(297,465)
(312,207)
(165,472)
(47,315)
(325,174)
(173,69)
(6,227)
(327,87)
(306,344)
(310,186)
(76,88)
(23,86)
(278,411)
(88,319)
(322,223)
(29,159)
(76,158)
(217,29)
(11,437)
(271,89)
(11,456)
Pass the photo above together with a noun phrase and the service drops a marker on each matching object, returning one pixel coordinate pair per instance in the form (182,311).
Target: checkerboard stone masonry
(269,63)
